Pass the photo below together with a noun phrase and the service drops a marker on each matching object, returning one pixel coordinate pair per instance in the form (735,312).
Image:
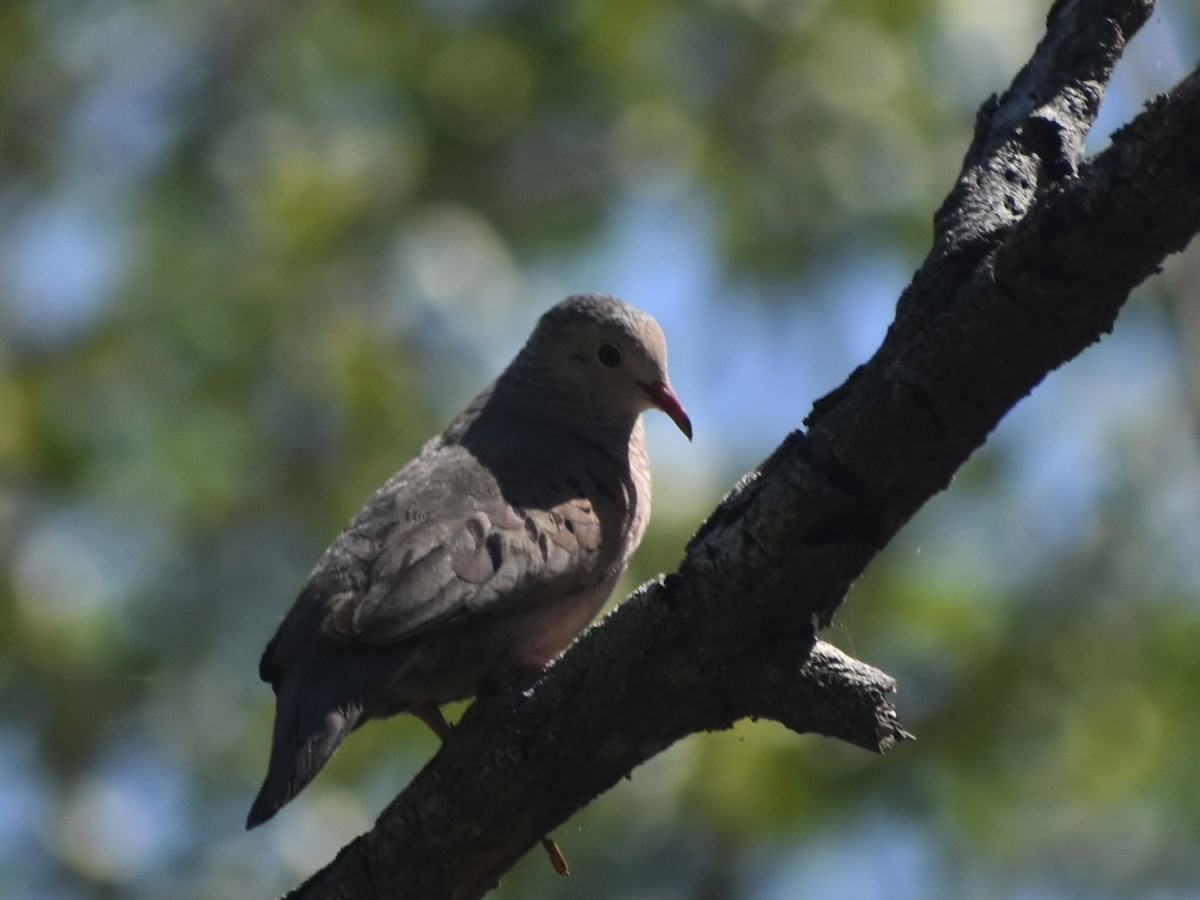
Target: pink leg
(531,667)
(431,715)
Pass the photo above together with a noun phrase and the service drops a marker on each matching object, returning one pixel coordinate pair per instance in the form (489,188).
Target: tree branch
(1035,253)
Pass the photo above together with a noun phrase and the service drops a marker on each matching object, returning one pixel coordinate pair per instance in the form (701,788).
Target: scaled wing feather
(444,572)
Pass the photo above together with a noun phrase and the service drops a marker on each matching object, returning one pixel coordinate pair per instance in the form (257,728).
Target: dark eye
(609,355)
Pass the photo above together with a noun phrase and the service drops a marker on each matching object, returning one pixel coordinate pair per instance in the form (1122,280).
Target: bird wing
(429,551)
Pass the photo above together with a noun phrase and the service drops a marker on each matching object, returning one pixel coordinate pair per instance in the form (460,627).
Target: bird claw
(557,859)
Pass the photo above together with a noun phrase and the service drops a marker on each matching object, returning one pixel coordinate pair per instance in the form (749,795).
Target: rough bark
(1036,250)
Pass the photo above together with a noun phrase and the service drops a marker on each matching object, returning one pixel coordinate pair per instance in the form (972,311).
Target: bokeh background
(253,254)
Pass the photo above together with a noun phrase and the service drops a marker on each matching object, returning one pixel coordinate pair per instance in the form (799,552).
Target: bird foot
(557,859)
(431,715)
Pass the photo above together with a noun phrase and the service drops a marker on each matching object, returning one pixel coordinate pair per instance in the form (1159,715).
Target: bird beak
(664,398)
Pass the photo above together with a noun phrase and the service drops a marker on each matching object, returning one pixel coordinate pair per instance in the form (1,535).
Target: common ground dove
(484,557)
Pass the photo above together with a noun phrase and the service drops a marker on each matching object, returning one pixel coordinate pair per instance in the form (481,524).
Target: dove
(483,558)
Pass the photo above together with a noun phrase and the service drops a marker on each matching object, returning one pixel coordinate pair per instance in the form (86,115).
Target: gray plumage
(485,556)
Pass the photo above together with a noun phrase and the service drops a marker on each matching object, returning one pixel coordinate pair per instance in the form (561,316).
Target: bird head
(608,357)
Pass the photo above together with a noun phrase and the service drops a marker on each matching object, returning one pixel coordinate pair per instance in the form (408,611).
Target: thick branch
(1001,301)
(520,762)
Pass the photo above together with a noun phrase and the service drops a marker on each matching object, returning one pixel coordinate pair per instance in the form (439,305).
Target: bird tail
(311,721)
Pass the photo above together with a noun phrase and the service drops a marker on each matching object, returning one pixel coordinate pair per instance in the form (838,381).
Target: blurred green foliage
(252,255)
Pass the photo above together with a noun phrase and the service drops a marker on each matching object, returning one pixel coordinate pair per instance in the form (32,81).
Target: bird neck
(526,391)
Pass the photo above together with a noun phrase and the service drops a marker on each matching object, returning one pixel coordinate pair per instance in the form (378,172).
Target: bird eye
(609,355)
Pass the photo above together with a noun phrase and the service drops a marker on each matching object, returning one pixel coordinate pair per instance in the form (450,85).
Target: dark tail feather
(310,723)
